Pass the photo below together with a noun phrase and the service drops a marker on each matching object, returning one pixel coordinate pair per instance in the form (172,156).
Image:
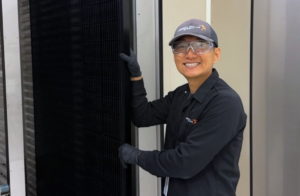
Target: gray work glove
(128,154)
(133,65)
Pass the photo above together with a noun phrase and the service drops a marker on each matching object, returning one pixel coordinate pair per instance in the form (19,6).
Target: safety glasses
(199,47)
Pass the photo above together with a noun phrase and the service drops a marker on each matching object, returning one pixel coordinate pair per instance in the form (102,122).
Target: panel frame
(27,90)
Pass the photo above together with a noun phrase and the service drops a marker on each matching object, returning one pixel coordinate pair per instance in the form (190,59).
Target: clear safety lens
(197,46)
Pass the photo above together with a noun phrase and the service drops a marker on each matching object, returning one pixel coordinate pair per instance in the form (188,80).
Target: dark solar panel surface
(81,96)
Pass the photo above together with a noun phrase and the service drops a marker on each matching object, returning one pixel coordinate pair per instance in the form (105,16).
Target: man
(205,120)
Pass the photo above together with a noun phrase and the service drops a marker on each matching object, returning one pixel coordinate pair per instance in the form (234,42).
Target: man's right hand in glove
(133,65)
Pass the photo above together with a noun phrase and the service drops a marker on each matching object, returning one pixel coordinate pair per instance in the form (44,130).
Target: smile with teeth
(191,64)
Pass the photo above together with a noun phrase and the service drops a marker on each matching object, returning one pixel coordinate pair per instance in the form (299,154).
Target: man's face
(193,65)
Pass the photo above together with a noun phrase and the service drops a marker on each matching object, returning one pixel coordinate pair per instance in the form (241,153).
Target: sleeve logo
(193,121)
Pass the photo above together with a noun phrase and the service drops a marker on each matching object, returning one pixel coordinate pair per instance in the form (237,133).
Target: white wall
(13,97)
(231,21)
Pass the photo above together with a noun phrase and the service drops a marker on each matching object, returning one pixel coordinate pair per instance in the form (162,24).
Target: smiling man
(205,120)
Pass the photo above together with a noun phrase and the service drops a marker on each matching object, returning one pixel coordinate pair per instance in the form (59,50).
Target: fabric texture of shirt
(203,137)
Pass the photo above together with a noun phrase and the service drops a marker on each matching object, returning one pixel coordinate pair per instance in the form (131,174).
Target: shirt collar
(206,86)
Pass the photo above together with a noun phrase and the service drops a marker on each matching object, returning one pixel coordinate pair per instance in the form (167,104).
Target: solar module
(81,98)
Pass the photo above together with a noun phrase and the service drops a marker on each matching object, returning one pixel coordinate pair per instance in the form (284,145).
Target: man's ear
(217,55)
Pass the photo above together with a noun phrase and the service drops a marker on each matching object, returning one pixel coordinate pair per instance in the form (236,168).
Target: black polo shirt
(203,138)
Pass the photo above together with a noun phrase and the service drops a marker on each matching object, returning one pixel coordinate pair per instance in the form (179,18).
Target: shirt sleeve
(146,113)
(219,124)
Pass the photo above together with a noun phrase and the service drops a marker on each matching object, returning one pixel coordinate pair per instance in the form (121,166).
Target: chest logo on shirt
(193,121)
